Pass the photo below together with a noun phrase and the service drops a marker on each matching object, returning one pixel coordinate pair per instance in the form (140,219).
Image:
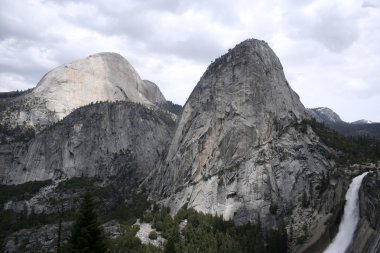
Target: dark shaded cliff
(94,141)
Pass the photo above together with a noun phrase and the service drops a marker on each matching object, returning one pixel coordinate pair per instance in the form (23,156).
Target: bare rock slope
(102,140)
(99,77)
(241,148)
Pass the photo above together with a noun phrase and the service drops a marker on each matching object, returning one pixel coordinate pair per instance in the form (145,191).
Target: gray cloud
(371,3)
(329,49)
(328,25)
(334,32)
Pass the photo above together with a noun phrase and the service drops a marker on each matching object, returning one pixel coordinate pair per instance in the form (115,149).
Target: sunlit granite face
(96,78)
(100,77)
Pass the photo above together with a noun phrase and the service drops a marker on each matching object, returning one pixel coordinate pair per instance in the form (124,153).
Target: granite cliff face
(241,150)
(100,140)
(152,92)
(99,77)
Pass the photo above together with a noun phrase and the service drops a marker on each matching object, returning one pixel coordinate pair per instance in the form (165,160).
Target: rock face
(152,92)
(99,77)
(241,148)
(44,239)
(324,115)
(101,140)
(143,235)
(328,116)
(240,151)
(367,235)
(357,128)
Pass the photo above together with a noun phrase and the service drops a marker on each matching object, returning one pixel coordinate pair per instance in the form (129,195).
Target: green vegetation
(13,94)
(86,235)
(153,235)
(128,242)
(128,210)
(201,233)
(131,211)
(21,191)
(11,221)
(360,149)
(80,183)
(19,133)
(171,107)
(348,129)
(75,183)
(189,231)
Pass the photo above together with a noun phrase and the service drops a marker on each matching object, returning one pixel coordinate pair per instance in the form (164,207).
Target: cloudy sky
(330,49)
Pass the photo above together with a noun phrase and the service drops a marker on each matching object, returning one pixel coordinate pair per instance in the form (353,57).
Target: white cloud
(12,82)
(329,48)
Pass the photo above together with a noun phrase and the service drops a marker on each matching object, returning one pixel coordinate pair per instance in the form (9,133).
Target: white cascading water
(350,218)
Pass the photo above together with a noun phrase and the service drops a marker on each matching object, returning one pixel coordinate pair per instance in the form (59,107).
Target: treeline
(352,149)
(191,231)
(11,221)
(349,129)
(188,231)
(21,191)
(12,94)
(172,107)
(19,133)
(207,233)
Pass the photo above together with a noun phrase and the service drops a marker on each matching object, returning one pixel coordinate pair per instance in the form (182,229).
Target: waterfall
(350,218)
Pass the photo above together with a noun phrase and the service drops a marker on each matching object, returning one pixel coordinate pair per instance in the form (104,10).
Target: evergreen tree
(170,246)
(86,234)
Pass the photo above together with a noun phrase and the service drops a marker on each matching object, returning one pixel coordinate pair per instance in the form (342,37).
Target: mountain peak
(241,104)
(152,92)
(100,77)
(107,54)
(362,121)
(324,114)
(247,49)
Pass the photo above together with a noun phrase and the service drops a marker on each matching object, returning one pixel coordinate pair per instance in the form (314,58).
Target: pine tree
(169,246)
(86,234)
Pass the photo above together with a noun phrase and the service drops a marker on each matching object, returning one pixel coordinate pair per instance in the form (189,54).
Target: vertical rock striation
(102,140)
(240,149)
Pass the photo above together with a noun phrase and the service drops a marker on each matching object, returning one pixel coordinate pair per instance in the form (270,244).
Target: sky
(330,49)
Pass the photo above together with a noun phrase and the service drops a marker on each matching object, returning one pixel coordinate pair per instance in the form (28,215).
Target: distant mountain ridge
(324,114)
(363,121)
(357,128)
